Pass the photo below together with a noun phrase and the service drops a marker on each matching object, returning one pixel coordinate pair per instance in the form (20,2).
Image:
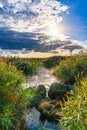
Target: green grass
(14,100)
(74,110)
(71,69)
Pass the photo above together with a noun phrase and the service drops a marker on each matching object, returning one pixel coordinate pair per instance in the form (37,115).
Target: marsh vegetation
(59,96)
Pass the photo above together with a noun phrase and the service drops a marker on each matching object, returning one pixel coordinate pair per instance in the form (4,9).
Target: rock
(49,107)
(56,90)
(41,91)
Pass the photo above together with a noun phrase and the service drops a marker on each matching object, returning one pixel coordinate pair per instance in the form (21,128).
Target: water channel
(46,78)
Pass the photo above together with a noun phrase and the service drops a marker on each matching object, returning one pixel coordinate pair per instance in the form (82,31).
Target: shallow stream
(34,123)
(43,77)
(46,78)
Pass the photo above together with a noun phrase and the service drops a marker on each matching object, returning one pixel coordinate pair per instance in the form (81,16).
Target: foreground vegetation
(14,100)
(67,106)
(73,70)
(74,110)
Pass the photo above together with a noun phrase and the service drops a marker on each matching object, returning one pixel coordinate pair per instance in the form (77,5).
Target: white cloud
(28,16)
(1,5)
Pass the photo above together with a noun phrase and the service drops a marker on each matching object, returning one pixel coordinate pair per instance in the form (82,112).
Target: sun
(53,32)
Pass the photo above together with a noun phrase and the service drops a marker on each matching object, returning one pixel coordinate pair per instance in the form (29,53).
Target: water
(34,123)
(43,77)
(46,78)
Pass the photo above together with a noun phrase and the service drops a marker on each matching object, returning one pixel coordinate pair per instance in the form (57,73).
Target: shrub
(13,98)
(74,110)
(53,61)
(71,69)
(25,65)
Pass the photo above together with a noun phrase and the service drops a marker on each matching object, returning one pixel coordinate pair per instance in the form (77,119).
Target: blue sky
(77,7)
(77,18)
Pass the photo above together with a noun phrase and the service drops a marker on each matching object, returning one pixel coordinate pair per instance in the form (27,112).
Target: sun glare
(55,32)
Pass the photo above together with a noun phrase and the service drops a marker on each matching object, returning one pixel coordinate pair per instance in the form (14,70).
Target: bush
(71,69)
(53,61)
(74,110)
(13,98)
(56,90)
(25,65)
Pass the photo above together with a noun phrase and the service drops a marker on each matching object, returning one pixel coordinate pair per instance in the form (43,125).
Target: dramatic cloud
(31,15)
(43,17)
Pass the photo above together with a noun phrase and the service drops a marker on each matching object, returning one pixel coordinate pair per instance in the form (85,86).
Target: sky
(62,19)
(77,18)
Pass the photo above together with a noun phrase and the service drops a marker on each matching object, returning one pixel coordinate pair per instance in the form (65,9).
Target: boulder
(41,91)
(49,107)
(57,90)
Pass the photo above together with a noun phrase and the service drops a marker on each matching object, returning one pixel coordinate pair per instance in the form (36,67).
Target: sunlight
(55,32)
